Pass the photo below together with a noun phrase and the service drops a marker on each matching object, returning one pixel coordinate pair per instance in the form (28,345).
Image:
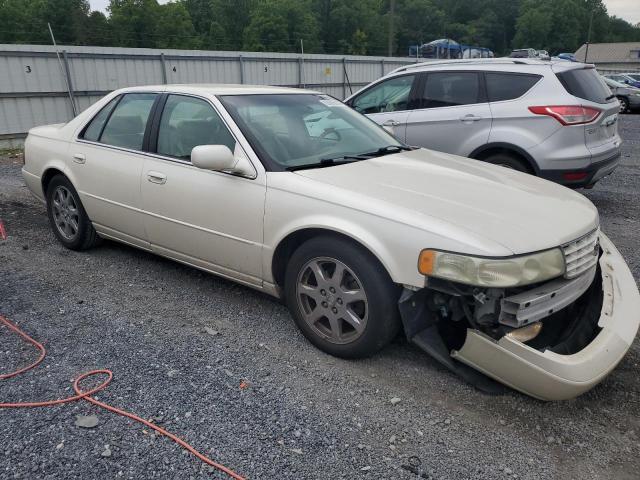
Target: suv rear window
(507,86)
(585,83)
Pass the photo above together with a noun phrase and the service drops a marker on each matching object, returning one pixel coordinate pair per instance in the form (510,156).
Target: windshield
(290,131)
(634,76)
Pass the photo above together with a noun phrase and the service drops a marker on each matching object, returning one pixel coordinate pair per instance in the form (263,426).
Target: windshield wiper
(327,162)
(350,158)
(386,151)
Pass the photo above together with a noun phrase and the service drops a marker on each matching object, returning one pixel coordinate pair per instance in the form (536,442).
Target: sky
(628,10)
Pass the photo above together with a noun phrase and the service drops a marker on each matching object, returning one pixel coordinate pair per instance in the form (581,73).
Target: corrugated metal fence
(37,87)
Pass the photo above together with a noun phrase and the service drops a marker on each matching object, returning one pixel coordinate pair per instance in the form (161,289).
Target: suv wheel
(341,297)
(67,217)
(508,161)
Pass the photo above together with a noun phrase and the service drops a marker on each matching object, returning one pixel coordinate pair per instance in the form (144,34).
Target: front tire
(341,297)
(67,217)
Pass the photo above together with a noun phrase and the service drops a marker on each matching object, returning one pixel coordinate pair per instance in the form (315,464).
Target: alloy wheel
(332,300)
(65,213)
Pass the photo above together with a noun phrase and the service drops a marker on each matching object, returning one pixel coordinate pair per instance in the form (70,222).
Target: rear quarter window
(508,86)
(585,83)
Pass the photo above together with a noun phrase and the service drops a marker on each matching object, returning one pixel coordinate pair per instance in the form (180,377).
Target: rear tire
(509,161)
(341,297)
(67,217)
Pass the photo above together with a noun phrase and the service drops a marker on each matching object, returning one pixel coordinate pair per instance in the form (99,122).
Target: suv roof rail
(471,61)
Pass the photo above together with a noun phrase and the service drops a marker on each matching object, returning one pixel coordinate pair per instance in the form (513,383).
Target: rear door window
(128,121)
(94,129)
(450,89)
(585,83)
(508,86)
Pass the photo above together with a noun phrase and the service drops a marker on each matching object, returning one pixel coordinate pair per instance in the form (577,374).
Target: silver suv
(557,120)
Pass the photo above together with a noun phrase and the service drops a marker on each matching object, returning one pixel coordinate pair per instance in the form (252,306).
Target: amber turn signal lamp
(426,261)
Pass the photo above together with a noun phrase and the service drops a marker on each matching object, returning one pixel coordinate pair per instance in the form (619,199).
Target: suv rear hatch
(584,82)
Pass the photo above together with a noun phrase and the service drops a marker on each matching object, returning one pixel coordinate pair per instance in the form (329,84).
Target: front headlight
(492,272)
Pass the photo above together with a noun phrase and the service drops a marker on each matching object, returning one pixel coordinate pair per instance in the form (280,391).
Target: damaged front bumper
(542,373)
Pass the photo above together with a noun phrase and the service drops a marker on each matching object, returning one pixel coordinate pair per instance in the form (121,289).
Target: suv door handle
(157,177)
(79,158)
(391,123)
(470,118)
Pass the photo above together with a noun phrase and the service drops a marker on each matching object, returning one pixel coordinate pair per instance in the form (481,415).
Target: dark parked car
(629,97)
(623,78)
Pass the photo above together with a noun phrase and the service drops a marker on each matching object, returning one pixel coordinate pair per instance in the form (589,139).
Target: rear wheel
(508,161)
(67,217)
(341,297)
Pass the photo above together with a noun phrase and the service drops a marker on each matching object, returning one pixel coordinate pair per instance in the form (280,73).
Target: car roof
(218,89)
(507,61)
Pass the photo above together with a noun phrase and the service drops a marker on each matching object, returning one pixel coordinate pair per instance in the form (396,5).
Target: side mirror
(213,157)
(219,158)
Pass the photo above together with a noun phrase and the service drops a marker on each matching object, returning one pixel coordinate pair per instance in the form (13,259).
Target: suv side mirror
(219,158)
(213,157)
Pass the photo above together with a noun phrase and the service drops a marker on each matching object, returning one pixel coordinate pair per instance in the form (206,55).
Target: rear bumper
(584,177)
(550,376)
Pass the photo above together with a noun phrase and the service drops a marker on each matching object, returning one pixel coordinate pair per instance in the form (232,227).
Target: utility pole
(586,51)
(392,9)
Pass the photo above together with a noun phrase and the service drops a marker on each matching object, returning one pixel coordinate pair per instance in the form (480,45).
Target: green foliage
(280,25)
(331,26)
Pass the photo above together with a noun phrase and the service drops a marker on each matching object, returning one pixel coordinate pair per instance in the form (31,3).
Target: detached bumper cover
(551,376)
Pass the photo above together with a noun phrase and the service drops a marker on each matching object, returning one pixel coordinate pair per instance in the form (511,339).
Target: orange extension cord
(80,395)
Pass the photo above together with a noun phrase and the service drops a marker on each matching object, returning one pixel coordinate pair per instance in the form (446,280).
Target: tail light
(568,114)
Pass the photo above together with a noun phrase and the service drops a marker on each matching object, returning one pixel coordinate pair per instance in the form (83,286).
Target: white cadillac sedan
(493,272)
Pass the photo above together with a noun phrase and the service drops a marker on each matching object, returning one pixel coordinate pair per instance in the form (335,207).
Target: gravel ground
(304,415)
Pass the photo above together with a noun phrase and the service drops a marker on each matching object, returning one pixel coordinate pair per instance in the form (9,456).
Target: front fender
(396,246)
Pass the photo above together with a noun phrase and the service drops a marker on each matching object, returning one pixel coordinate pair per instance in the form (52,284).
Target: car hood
(521,212)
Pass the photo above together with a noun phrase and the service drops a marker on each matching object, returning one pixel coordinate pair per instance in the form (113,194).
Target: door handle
(470,118)
(391,123)
(157,177)
(79,158)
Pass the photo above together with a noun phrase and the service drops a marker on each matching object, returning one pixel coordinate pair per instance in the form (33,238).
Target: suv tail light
(568,114)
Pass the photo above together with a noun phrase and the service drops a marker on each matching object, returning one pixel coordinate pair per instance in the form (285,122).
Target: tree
(279,25)
(97,30)
(420,21)
(134,22)
(174,28)
(331,26)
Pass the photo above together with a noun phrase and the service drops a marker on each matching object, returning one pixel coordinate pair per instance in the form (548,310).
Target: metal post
(66,76)
(382,67)
(392,5)
(241,60)
(164,68)
(300,72)
(344,78)
(69,83)
(301,64)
